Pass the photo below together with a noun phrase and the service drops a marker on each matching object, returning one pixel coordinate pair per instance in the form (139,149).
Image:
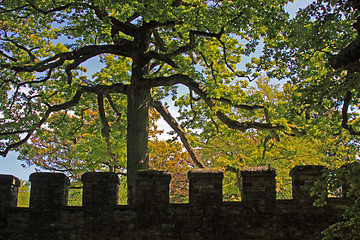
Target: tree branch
(78,56)
(13,9)
(192,109)
(346,56)
(105,132)
(210,66)
(178,129)
(113,106)
(8,57)
(13,132)
(200,90)
(228,65)
(106,89)
(344,113)
(183,49)
(45,12)
(126,28)
(159,43)
(31,55)
(73,102)
(106,128)
(240,106)
(19,85)
(161,57)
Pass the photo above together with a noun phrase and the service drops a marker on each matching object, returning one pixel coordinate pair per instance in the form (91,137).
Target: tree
(147,47)
(232,150)
(318,52)
(24,194)
(76,148)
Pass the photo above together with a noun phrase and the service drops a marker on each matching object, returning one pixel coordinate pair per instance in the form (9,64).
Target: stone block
(303,179)
(100,189)
(205,186)
(152,188)
(258,185)
(49,190)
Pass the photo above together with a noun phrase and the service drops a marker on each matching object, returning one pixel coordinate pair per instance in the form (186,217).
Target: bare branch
(105,132)
(133,17)
(160,44)
(13,132)
(228,65)
(75,64)
(161,57)
(106,128)
(179,130)
(185,48)
(14,9)
(19,85)
(192,108)
(209,65)
(240,106)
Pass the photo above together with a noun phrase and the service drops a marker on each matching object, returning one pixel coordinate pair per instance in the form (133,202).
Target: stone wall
(258,216)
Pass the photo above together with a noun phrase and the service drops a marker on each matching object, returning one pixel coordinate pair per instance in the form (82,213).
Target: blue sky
(10,164)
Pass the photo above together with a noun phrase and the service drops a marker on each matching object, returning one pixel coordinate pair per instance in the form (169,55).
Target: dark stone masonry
(259,216)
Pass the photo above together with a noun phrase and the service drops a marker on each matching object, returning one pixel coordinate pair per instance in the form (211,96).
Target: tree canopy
(147,47)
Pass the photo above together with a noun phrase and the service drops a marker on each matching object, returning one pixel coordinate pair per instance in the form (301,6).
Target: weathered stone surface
(258,185)
(205,186)
(207,217)
(303,179)
(100,189)
(152,188)
(49,190)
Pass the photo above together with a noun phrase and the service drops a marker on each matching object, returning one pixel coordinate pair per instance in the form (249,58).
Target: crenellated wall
(258,216)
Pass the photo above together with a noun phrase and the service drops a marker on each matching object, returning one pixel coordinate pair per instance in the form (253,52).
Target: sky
(10,164)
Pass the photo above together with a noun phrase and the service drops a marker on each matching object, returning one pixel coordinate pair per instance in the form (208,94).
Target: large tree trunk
(138,95)
(137,134)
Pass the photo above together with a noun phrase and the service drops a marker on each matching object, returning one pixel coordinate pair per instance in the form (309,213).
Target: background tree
(171,156)
(320,55)
(24,194)
(232,150)
(147,48)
